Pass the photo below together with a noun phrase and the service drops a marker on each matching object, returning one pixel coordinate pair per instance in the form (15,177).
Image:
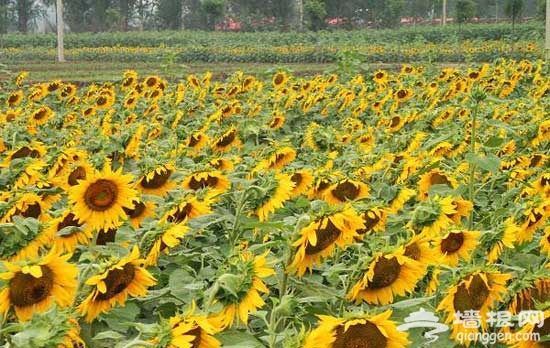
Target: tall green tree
(464,11)
(214,11)
(169,14)
(513,10)
(315,13)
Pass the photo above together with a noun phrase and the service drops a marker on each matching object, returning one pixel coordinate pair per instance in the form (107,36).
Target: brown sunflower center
(386,272)
(194,140)
(413,251)
(325,237)
(438,179)
(471,298)
(117,281)
(360,336)
(26,290)
(537,216)
(209,181)
(106,236)
(196,332)
(369,221)
(32,210)
(227,138)
(13,98)
(180,214)
(279,78)
(101,195)
(452,243)
(345,191)
(68,220)
(79,173)
(296,179)
(545,180)
(401,94)
(395,121)
(535,160)
(158,180)
(25,152)
(136,212)
(40,114)
(379,75)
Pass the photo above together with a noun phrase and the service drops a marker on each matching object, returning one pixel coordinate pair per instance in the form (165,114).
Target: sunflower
(419,249)
(68,233)
(40,116)
(302,180)
(163,237)
(388,275)
(345,190)
(221,163)
(319,239)
(157,182)
(403,94)
(434,177)
(463,208)
(533,292)
(213,180)
(245,296)
(227,140)
(535,217)
(399,201)
(72,338)
(360,331)
(188,331)
(72,174)
(100,199)
(457,244)
(281,157)
(34,286)
(26,205)
(477,291)
(277,120)
(532,332)
(126,277)
(14,98)
(279,79)
(190,208)
(30,174)
(432,216)
(279,191)
(380,77)
(374,219)
(34,149)
(197,141)
(141,210)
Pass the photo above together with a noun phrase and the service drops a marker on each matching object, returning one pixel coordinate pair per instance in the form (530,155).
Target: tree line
(249,15)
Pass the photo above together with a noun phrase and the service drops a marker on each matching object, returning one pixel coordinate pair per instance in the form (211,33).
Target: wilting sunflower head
(34,285)
(160,239)
(157,181)
(434,177)
(319,239)
(99,199)
(432,216)
(477,290)
(213,180)
(123,278)
(187,331)
(346,190)
(272,191)
(388,274)
(358,331)
(238,288)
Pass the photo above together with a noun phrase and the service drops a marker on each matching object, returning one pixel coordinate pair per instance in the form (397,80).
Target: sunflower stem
(471,194)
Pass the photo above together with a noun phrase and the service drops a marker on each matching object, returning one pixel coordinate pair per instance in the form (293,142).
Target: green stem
(473,166)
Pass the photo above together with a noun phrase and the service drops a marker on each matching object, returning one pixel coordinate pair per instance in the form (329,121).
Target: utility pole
(60,27)
(444,13)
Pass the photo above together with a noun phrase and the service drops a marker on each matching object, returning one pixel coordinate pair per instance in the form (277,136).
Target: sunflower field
(314,212)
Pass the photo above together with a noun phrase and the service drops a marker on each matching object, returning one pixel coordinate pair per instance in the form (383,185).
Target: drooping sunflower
(25,205)
(157,182)
(197,141)
(345,190)
(141,210)
(189,208)
(281,157)
(319,239)
(68,233)
(388,275)
(535,217)
(221,163)
(533,332)
(279,191)
(434,177)
(161,239)
(33,149)
(478,291)
(505,237)
(227,140)
(302,180)
(457,244)
(126,277)
(188,331)
(14,98)
(534,290)
(374,219)
(362,331)
(40,116)
(213,180)
(245,297)
(419,249)
(100,199)
(36,285)
(432,216)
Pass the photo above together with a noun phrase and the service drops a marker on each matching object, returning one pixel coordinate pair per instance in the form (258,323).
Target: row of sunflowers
(290,212)
(311,52)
